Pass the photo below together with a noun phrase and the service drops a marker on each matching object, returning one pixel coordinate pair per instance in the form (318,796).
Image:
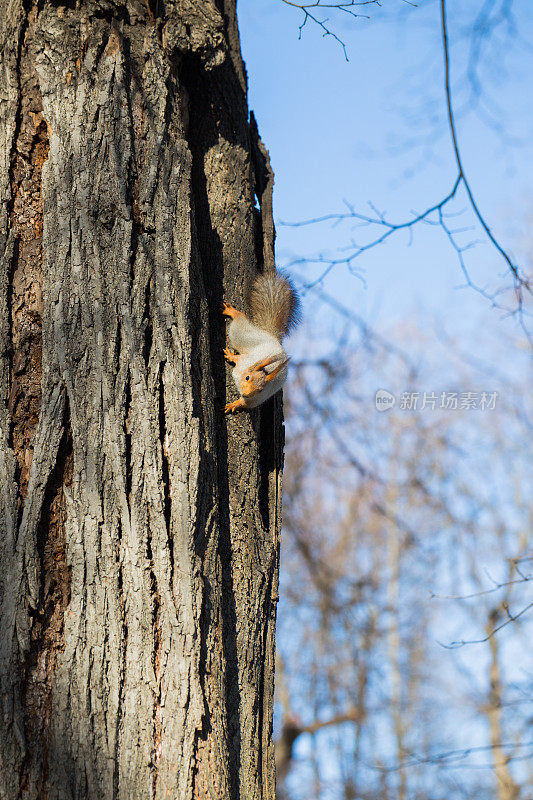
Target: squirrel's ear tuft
(271,375)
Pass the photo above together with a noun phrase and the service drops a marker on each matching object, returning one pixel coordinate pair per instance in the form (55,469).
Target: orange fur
(256,378)
(231,356)
(229,311)
(237,405)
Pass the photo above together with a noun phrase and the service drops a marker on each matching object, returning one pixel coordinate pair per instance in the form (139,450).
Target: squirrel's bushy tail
(274,304)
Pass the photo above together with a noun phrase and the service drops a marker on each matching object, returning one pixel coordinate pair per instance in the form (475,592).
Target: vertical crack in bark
(265,694)
(201,734)
(165,470)
(265,618)
(122,661)
(267,459)
(133,176)
(31,145)
(127,438)
(118,340)
(156,663)
(264,188)
(156,598)
(157,9)
(47,633)
(148,325)
(229,647)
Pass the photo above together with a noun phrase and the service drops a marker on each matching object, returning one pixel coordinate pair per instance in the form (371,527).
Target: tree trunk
(506,787)
(139,549)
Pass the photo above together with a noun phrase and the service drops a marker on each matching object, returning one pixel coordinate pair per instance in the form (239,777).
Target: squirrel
(260,361)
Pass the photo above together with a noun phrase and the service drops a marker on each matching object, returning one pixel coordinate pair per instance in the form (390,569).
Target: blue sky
(373,129)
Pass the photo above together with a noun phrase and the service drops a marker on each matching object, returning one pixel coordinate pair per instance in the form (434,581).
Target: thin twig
(451,121)
(463,642)
(523,579)
(447,756)
(346,7)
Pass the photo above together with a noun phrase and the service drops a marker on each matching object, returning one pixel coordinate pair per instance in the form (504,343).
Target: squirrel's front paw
(226,309)
(230,311)
(230,355)
(237,405)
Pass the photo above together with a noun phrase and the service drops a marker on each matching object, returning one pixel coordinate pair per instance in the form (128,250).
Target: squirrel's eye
(247,377)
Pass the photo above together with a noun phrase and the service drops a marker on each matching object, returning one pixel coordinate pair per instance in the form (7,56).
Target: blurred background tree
(403,639)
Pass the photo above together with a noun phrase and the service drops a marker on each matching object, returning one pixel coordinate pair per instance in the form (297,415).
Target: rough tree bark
(140,529)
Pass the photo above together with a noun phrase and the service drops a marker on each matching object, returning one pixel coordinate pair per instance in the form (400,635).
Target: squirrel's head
(256,378)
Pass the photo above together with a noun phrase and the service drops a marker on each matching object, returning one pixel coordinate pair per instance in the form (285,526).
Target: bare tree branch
(449,756)
(436,214)
(483,592)
(510,618)
(347,8)
(520,281)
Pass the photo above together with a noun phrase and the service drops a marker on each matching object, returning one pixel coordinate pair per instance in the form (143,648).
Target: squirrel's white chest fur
(254,344)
